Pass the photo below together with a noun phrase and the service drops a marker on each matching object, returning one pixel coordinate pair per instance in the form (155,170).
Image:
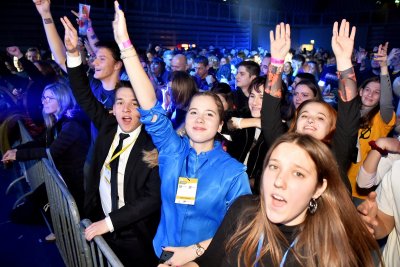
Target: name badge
(186,193)
(106,173)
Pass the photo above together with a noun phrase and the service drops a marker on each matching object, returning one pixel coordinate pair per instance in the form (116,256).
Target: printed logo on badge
(186,192)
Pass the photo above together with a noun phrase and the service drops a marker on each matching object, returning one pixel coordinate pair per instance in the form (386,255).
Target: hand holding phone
(165,255)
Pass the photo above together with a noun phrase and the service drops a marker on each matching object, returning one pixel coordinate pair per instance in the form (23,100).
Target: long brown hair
(332,114)
(333,236)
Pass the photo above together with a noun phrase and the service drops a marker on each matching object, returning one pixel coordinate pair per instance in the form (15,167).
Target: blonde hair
(333,236)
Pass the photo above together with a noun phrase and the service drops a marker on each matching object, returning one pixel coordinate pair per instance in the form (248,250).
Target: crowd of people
(216,157)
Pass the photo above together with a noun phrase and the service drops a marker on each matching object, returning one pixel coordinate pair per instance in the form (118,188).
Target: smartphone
(165,255)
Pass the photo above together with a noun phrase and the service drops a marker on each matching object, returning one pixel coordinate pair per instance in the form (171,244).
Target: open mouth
(277,200)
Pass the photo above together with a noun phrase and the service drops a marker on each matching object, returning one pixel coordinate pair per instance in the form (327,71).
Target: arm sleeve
(161,130)
(239,186)
(215,253)
(271,120)
(344,143)
(148,203)
(84,96)
(386,107)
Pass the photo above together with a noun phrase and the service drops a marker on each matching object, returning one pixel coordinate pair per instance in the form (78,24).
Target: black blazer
(140,215)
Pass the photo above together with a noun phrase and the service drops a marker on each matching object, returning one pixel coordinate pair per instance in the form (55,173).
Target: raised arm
(141,83)
(386,108)
(280,45)
(56,45)
(342,46)
(271,120)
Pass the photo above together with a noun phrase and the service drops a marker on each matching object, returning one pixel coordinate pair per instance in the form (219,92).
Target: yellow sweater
(378,129)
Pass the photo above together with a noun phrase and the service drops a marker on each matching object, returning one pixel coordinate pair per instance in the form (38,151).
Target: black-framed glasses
(47,98)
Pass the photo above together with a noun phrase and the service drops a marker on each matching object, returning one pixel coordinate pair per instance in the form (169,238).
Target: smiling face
(301,93)
(125,109)
(289,183)
(50,103)
(104,64)
(314,119)
(255,102)
(202,122)
(370,94)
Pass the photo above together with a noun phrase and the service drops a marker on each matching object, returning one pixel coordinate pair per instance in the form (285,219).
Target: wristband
(127,43)
(381,151)
(277,61)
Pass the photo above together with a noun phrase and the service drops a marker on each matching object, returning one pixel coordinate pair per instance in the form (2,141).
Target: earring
(312,206)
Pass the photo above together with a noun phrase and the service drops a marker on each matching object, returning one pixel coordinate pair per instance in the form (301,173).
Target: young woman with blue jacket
(199,180)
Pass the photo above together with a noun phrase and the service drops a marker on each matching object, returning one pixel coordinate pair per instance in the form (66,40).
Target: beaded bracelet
(381,151)
(126,49)
(127,56)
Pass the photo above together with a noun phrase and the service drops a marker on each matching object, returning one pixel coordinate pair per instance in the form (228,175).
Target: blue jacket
(221,179)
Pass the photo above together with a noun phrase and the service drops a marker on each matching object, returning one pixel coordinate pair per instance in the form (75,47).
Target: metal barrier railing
(70,239)
(32,170)
(100,250)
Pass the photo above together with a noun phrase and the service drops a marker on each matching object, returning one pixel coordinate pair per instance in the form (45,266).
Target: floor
(23,244)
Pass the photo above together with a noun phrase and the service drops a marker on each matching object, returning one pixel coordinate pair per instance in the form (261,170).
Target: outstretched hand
(119,26)
(280,43)
(43,7)
(70,37)
(343,42)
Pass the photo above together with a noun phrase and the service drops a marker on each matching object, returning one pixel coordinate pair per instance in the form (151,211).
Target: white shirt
(388,198)
(105,186)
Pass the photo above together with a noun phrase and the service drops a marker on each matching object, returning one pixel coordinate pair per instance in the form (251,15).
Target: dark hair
(256,83)
(306,76)
(110,46)
(251,67)
(313,86)
(224,90)
(300,58)
(201,60)
(366,120)
(183,88)
(123,84)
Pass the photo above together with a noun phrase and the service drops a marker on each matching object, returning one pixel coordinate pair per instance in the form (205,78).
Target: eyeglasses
(47,98)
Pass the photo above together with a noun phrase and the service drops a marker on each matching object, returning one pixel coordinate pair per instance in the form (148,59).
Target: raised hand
(119,26)
(70,37)
(381,55)
(343,43)
(280,43)
(14,51)
(43,7)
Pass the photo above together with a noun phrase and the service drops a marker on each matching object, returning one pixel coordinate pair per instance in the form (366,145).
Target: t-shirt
(388,198)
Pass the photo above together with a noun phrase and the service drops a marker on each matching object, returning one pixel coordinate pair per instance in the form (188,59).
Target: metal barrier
(70,239)
(32,171)
(100,250)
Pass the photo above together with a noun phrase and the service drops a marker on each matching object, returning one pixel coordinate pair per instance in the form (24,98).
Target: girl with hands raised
(192,212)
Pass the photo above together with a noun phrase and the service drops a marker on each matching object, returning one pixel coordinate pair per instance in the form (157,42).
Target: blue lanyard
(260,242)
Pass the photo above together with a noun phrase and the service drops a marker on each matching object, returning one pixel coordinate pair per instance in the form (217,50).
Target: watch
(199,249)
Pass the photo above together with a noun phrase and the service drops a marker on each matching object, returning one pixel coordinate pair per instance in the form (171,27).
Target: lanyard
(120,152)
(260,242)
